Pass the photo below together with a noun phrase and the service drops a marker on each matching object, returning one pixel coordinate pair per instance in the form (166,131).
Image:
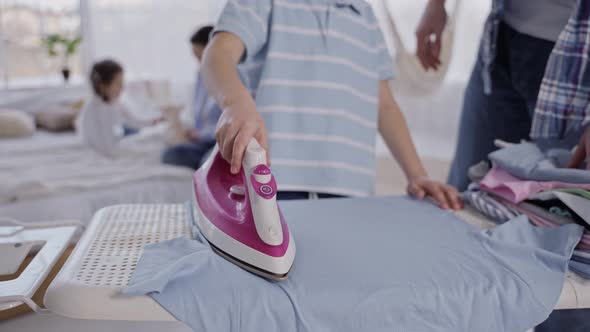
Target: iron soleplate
(249,267)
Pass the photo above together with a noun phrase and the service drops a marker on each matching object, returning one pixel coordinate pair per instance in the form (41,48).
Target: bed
(54,176)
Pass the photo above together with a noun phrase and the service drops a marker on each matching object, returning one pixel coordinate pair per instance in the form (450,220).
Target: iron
(239,216)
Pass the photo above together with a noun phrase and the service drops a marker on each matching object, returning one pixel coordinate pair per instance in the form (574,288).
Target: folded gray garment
(487,204)
(377,264)
(582,269)
(478,171)
(527,162)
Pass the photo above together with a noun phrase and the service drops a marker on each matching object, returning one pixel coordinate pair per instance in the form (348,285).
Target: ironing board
(102,263)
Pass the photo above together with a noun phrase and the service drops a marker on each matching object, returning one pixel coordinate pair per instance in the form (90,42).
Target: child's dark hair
(201,37)
(103,73)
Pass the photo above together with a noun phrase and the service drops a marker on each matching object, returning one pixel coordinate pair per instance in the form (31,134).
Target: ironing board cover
(378,264)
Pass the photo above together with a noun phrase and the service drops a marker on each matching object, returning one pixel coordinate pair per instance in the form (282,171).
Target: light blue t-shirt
(313,67)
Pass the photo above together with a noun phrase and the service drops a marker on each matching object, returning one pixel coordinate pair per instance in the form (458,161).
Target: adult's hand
(192,134)
(582,152)
(429,34)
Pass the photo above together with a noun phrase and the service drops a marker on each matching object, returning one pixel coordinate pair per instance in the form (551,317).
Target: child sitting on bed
(316,92)
(107,117)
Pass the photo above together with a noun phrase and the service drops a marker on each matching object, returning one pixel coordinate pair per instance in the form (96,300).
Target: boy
(315,87)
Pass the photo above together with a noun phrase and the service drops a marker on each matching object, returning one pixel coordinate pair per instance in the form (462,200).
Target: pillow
(56,121)
(15,124)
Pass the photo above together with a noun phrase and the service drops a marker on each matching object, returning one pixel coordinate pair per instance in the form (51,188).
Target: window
(24,24)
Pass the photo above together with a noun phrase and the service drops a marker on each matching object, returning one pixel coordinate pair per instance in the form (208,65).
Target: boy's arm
(239,121)
(393,128)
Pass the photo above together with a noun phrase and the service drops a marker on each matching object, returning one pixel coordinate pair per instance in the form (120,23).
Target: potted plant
(57,44)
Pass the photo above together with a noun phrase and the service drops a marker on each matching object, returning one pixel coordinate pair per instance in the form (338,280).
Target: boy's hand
(582,151)
(446,196)
(429,34)
(238,124)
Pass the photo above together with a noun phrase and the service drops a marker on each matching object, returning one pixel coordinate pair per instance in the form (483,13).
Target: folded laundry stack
(523,180)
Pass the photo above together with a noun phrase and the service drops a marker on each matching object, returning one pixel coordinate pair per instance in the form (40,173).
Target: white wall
(150,37)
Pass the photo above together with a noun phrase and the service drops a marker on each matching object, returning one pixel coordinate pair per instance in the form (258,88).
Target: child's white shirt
(100,125)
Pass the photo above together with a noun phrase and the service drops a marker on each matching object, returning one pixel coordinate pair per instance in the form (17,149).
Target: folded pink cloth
(515,190)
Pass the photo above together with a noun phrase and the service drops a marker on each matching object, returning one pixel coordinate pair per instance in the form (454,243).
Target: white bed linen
(83,204)
(49,165)
(53,176)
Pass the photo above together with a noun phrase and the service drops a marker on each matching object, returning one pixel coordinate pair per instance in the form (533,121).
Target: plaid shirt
(563,104)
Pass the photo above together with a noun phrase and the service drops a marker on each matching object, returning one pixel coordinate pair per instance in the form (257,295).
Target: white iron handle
(255,154)
(262,193)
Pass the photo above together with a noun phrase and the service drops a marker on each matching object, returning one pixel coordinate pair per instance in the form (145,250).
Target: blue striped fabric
(485,203)
(313,67)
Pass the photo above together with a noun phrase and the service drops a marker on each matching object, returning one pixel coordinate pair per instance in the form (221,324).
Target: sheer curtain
(472,15)
(151,36)
(433,120)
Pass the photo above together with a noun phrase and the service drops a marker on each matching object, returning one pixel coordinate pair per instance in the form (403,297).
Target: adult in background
(502,92)
(531,80)
(203,115)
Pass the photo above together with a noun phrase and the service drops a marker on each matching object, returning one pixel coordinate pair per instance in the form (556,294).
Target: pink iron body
(239,216)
